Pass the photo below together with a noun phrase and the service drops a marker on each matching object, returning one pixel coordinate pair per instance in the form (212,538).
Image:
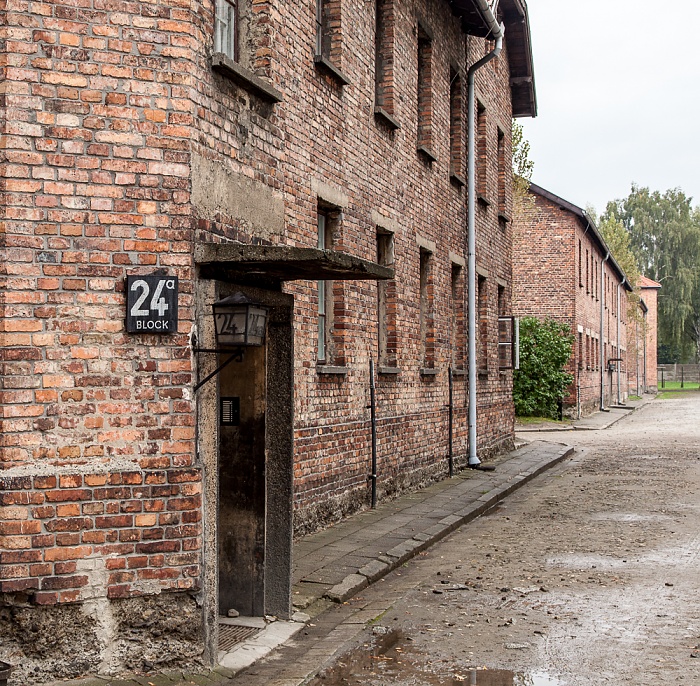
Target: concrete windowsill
(429,371)
(326,65)
(331,369)
(389,370)
(459,372)
(427,152)
(457,180)
(223,64)
(483,200)
(381,114)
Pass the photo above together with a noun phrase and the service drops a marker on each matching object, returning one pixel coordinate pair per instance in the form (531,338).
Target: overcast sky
(618,96)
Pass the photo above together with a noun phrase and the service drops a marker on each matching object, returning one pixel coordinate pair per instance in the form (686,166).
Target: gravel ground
(589,575)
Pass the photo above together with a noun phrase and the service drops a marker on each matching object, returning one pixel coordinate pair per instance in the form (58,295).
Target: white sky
(618,96)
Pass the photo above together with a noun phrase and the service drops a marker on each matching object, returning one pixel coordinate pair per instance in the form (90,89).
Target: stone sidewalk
(333,565)
(594,422)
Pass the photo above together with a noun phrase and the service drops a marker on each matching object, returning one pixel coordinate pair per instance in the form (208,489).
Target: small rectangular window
(425,90)
(503,172)
(580,350)
(427,330)
(457,333)
(481,150)
(226,28)
(506,343)
(456,128)
(387,303)
(580,266)
(321,349)
(483,328)
(328,35)
(384,56)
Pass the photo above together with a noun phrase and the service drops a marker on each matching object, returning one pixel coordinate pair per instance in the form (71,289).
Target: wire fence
(675,376)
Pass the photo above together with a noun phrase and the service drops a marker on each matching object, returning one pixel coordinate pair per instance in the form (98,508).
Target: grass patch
(634,397)
(676,386)
(540,420)
(673,395)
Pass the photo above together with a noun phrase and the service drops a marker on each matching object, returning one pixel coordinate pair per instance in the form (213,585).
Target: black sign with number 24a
(151,304)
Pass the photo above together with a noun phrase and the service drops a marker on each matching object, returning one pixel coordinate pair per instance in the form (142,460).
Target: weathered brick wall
(99,496)
(114,124)
(551,280)
(323,144)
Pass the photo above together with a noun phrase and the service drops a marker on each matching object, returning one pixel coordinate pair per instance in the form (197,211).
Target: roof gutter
(497,32)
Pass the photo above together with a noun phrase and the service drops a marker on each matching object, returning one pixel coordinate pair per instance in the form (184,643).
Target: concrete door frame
(279,447)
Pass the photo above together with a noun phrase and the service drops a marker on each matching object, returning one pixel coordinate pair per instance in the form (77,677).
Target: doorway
(241,497)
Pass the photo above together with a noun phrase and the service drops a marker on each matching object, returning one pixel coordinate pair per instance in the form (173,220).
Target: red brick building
(643,333)
(313,159)
(563,270)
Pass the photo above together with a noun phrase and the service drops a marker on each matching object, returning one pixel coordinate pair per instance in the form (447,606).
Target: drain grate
(230,635)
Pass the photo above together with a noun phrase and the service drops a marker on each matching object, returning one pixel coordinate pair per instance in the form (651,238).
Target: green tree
(664,232)
(541,382)
(522,164)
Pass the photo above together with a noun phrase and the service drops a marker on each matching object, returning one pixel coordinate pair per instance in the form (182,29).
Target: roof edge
(588,220)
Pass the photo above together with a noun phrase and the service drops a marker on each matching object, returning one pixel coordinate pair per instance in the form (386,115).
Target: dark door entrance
(242,403)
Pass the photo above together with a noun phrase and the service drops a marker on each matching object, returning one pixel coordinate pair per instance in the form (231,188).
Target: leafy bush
(541,382)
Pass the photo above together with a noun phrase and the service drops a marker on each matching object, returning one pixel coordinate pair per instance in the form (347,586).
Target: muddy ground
(589,575)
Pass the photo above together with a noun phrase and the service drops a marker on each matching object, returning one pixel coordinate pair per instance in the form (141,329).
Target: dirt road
(589,575)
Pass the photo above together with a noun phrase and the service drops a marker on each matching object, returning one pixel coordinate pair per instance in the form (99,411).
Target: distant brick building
(563,270)
(314,161)
(642,364)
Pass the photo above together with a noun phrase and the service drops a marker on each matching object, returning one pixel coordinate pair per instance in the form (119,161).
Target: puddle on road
(388,659)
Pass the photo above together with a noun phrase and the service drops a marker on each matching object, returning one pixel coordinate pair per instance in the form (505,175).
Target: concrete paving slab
(353,583)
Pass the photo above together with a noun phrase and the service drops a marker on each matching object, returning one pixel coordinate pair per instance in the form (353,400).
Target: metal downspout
(602,331)
(497,32)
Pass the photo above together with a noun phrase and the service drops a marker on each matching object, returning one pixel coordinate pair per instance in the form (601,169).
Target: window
(481,151)
(588,351)
(580,266)
(323,292)
(580,350)
(226,29)
(427,330)
(425,93)
(506,333)
(502,173)
(456,128)
(386,302)
(328,38)
(588,290)
(482,312)
(384,62)
(457,337)
(596,280)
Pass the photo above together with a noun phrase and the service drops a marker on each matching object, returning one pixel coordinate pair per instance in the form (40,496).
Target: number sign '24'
(151,304)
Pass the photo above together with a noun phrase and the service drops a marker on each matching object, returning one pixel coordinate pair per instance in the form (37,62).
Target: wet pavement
(390,657)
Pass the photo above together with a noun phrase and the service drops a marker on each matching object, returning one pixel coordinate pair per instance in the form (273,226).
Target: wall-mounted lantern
(238,323)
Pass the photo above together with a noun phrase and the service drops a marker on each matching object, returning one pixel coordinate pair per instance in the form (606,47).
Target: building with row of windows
(564,270)
(305,162)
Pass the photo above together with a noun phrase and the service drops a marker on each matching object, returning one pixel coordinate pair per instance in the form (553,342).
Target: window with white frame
(226,28)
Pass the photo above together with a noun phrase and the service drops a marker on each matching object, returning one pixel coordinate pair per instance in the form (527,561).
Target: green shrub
(541,382)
